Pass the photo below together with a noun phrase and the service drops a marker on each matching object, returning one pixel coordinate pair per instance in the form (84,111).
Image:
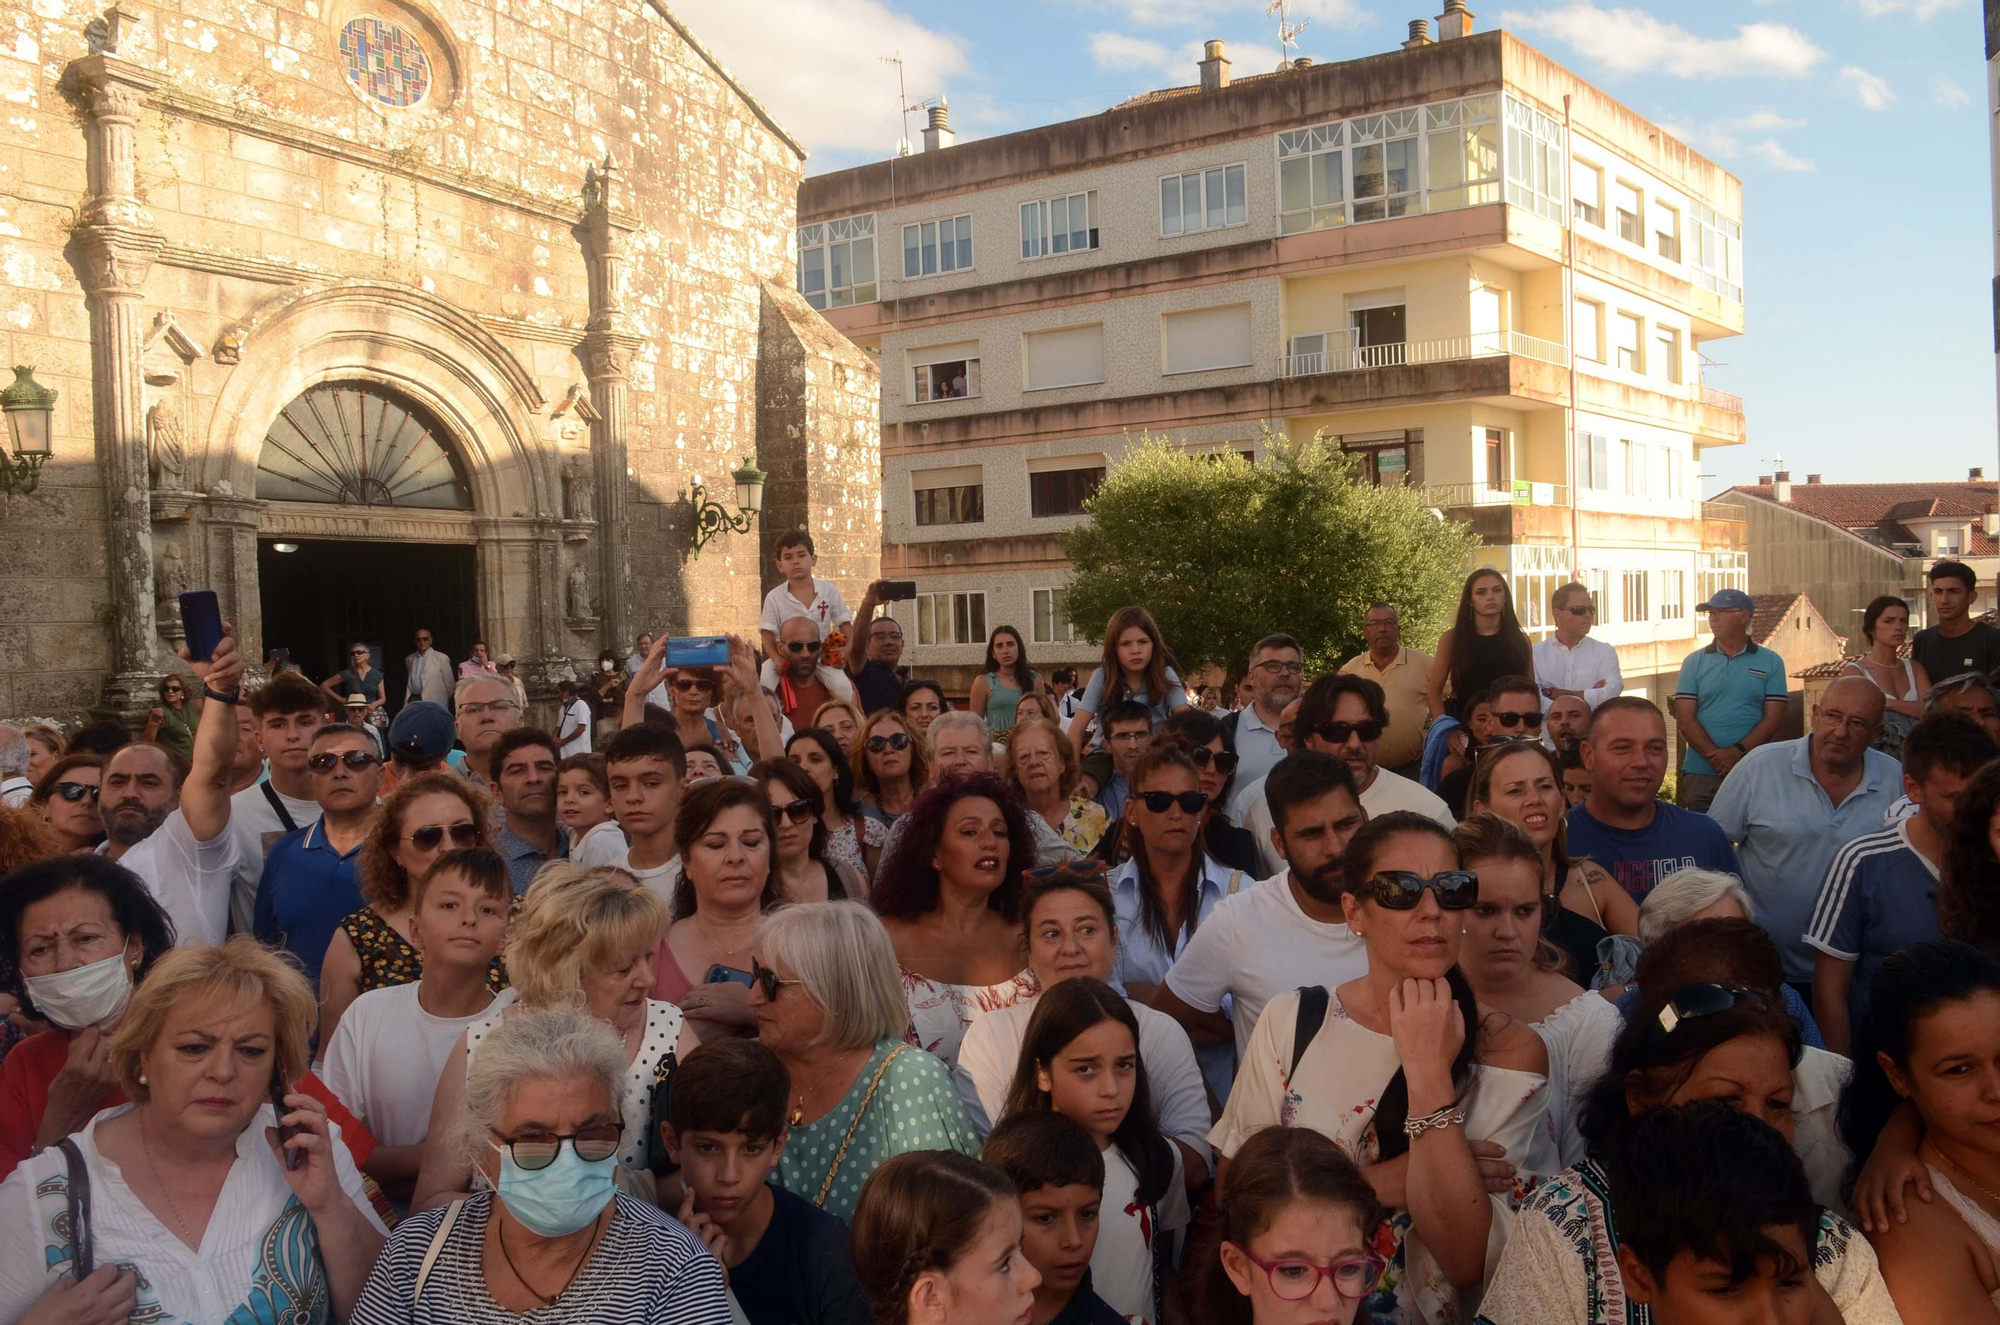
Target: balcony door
(1487,321)
(1378,327)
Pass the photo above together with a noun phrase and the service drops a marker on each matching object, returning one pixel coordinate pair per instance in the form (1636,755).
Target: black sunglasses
(1403,890)
(899,741)
(1528,720)
(75,791)
(538,1150)
(1160,801)
(766,980)
(1694,1002)
(1086,868)
(1336,733)
(799,811)
(1588,609)
(427,837)
(804,646)
(1223,761)
(357,760)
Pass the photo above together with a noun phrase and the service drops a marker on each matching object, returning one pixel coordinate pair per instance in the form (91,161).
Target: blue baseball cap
(1728,600)
(422,731)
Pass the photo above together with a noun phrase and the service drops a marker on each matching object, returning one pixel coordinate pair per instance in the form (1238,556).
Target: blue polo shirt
(524,859)
(1880,895)
(1787,831)
(1729,694)
(1677,839)
(306,890)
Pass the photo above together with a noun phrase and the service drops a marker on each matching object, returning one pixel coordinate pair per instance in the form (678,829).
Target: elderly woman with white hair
(829,1002)
(1697,894)
(542,1122)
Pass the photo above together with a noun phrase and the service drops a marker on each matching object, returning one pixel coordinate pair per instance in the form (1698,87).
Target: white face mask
(84,996)
(606,664)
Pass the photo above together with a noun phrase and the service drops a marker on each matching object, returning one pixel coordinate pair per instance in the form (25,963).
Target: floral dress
(1084,827)
(940,1014)
(844,847)
(388,959)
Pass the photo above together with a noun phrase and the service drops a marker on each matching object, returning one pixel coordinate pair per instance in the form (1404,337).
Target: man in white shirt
(170,826)
(1344,715)
(1288,930)
(1570,662)
(429,672)
(572,720)
(1276,674)
(287,710)
(14,784)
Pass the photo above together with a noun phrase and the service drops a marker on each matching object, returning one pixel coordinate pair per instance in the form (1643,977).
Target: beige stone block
(262,151)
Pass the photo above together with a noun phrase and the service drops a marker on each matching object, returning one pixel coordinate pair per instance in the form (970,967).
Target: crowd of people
(787,991)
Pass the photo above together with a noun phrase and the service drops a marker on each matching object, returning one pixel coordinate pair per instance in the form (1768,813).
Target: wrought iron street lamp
(30,409)
(712,517)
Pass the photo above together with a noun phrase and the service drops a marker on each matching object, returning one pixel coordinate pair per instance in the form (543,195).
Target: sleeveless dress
(1487,659)
(1895,726)
(1984,1226)
(940,1014)
(1001,701)
(388,959)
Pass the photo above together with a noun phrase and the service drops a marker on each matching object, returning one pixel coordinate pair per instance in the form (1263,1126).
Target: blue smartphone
(698,651)
(201,618)
(719,974)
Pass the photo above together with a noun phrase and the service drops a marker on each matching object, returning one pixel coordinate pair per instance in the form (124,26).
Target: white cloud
(1773,154)
(1920,9)
(817,65)
(1871,90)
(1766,121)
(1174,66)
(1949,94)
(1737,138)
(1632,41)
(1118,51)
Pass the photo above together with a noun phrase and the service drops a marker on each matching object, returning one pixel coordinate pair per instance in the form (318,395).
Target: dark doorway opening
(327,595)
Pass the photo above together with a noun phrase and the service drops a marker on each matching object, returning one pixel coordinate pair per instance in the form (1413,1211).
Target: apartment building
(1398,250)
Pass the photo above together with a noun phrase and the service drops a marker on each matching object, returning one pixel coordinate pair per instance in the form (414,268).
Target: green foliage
(1223,552)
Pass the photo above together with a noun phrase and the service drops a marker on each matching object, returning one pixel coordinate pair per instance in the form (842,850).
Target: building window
(1062,356)
(960,503)
(1462,147)
(1627,211)
(945,379)
(951,618)
(1493,449)
(1586,193)
(1667,348)
(1715,251)
(1588,318)
(1667,230)
(1716,571)
(1051,623)
(1378,334)
(1432,158)
(1202,200)
(1673,595)
(1950,543)
(1312,179)
(1594,458)
(1062,491)
(837,262)
(1202,339)
(1632,596)
(1597,581)
(933,248)
(1625,331)
(1637,457)
(1386,183)
(1059,225)
(1537,150)
(385,62)
(1676,475)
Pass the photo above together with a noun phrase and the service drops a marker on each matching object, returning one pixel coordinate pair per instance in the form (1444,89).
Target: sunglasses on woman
(357,760)
(75,791)
(766,980)
(1693,1003)
(1295,1281)
(1402,890)
(1223,761)
(1084,868)
(877,744)
(1160,801)
(428,837)
(798,812)
(538,1150)
(687,683)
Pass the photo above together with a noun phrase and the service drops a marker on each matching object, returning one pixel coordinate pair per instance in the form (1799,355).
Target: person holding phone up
(872,667)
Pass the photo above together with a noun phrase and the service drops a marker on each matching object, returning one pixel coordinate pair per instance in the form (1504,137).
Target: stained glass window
(385,61)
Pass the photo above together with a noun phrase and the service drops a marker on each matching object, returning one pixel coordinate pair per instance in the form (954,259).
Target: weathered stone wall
(308,233)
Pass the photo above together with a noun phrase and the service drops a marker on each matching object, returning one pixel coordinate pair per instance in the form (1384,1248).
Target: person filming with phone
(872,668)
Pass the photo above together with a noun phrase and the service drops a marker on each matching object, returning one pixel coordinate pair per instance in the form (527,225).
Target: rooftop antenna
(907,105)
(1288,31)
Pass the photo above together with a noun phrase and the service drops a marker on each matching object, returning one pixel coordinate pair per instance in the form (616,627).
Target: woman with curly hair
(25,839)
(949,894)
(1969,884)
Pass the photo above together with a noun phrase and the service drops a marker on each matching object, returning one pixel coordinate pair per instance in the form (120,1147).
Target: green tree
(1223,551)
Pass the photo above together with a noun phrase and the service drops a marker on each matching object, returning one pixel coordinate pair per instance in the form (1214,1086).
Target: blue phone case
(698,651)
(201,617)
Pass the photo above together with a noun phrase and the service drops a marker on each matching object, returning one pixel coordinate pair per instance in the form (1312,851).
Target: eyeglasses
(173,690)
(899,741)
(357,760)
(1528,720)
(1133,737)
(1295,1281)
(538,1150)
(1336,733)
(1279,667)
(1223,761)
(1086,868)
(1159,802)
(1403,890)
(1588,609)
(75,791)
(804,645)
(428,837)
(798,812)
(1692,1003)
(765,979)
(359,653)
(477,707)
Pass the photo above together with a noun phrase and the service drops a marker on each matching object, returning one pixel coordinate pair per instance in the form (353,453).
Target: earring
(142,1078)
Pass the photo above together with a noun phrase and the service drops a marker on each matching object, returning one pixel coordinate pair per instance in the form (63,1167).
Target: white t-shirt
(602,844)
(191,879)
(257,828)
(827,609)
(386,1056)
(577,713)
(1256,945)
(991,1050)
(1121,1268)
(662,879)
(1388,792)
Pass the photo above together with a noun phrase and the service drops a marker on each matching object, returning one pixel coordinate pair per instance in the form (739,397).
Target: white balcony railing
(1478,345)
(1721,400)
(1521,492)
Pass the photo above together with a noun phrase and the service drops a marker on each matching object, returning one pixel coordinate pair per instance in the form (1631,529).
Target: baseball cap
(422,731)
(504,660)
(1727,600)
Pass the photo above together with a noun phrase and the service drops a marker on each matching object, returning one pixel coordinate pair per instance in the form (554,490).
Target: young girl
(1298,1232)
(1137,666)
(1005,679)
(1081,1059)
(937,1241)
(583,803)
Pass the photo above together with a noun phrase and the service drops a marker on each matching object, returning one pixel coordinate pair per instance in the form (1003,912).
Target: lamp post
(30,409)
(712,517)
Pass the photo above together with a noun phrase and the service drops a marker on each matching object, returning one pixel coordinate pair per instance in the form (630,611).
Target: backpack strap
(284,815)
(77,1198)
(1311,1014)
(1235,882)
(436,1248)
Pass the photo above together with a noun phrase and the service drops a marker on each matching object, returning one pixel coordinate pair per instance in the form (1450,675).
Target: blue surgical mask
(562,1198)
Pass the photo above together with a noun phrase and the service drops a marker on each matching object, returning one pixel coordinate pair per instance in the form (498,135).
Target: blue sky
(1858,128)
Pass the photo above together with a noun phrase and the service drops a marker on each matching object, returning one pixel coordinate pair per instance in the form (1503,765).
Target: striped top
(647,1269)
(1879,896)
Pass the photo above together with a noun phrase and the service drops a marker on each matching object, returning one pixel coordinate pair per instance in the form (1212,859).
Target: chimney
(1813,478)
(1214,67)
(1763,480)
(1302,62)
(1781,483)
(1976,473)
(1455,21)
(938,134)
(1420,34)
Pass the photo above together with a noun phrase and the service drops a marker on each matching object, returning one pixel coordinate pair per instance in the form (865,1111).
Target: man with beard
(1568,719)
(168,822)
(525,762)
(1284,932)
(308,885)
(1276,674)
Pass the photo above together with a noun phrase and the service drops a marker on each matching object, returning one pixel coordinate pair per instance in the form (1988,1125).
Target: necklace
(1984,1190)
(798,1114)
(173,1209)
(702,925)
(500,1236)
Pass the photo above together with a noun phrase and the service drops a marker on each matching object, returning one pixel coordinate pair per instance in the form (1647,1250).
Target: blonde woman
(889,764)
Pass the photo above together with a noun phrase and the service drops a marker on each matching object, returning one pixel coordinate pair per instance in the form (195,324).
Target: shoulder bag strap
(278,806)
(78,1199)
(826,1188)
(436,1248)
(1311,1013)
(1235,882)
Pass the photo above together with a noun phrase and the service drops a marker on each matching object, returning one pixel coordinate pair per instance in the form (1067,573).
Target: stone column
(112,248)
(606,350)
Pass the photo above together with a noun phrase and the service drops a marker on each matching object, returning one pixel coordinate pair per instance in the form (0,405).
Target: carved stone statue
(579,590)
(169,583)
(165,457)
(579,501)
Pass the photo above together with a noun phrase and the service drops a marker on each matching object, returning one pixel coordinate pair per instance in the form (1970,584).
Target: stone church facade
(372,314)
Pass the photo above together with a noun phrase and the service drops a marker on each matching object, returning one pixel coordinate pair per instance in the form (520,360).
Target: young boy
(389,1048)
(583,803)
(800,595)
(788,1261)
(1715,1220)
(643,767)
(1059,1171)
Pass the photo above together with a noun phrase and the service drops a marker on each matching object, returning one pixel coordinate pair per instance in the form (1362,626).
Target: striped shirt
(1880,895)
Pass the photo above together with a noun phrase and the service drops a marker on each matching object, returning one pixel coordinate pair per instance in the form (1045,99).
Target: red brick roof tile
(1883,507)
